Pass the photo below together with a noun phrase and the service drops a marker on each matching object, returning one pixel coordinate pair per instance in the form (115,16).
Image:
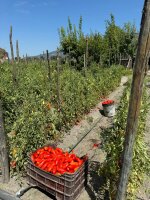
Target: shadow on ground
(102,112)
(47,194)
(95,183)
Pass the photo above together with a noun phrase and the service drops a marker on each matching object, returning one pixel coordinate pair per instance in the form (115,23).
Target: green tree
(72,41)
(112,42)
(104,49)
(73,44)
(129,42)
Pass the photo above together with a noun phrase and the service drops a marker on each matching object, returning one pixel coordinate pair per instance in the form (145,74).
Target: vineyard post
(3,149)
(17,50)
(139,73)
(11,44)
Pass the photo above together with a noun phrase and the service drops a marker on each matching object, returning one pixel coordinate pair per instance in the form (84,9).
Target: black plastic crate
(64,187)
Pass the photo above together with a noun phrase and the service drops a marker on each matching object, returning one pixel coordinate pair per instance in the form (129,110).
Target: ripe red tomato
(56,161)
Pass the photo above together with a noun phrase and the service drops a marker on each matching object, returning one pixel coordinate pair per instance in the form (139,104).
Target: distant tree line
(105,49)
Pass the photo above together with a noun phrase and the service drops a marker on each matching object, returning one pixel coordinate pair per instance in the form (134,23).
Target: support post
(43,55)
(86,54)
(3,149)
(84,64)
(120,59)
(11,45)
(58,81)
(48,62)
(26,58)
(17,50)
(100,60)
(139,72)
(109,58)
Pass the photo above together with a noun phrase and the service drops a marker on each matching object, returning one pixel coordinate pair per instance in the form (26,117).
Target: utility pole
(139,73)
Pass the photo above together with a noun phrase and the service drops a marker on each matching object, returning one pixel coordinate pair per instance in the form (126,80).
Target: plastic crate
(64,187)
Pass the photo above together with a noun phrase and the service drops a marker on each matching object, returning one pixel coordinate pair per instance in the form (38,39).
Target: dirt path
(96,155)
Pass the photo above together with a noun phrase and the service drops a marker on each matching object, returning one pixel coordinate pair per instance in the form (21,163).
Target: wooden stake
(115,58)
(26,58)
(58,81)
(17,50)
(139,72)
(3,149)
(69,58)
(49,69)
(84,64)
(109,58)
(44,55)
(11,44)
(120,59)
(100,60)
(86,54)
(12,57)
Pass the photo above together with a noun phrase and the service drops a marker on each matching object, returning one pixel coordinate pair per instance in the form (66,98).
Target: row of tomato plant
(113,139)
(31,111)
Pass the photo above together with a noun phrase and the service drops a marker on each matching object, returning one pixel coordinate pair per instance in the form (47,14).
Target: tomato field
(36,110)
(43,97)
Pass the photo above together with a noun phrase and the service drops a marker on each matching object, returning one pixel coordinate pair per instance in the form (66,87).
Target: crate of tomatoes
(62,174)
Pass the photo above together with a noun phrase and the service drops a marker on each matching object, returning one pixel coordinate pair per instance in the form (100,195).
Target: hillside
(51,54)
(3,53)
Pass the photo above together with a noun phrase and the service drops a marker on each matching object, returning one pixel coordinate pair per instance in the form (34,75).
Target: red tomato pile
(55,160)
(107,102)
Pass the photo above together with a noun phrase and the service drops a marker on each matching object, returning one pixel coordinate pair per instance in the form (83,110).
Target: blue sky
(36,22)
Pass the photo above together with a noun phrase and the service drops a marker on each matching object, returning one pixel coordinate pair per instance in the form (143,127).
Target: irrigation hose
(86,133)
(7,196)
(23,190)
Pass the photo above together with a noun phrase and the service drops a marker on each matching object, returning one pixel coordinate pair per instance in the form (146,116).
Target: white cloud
(22,7)
(23,11)
(20,3)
